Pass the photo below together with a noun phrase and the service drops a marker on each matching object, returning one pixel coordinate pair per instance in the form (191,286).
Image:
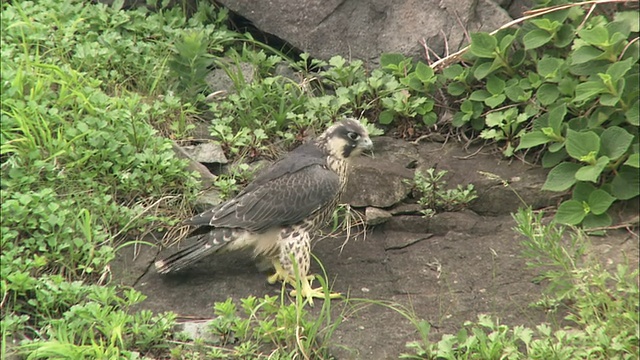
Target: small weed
(435,197)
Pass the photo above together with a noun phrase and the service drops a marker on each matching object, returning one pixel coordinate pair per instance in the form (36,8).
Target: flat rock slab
(446,279)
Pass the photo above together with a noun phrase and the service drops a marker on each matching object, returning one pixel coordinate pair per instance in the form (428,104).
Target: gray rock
(206,153)
(376,216)
(377,183)
(220,83)
(208,199)
(408,223)
(198,330)
(406,209)
(365,29)
(396,240)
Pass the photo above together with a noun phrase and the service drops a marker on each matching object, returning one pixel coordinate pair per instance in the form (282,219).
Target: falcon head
(345,139)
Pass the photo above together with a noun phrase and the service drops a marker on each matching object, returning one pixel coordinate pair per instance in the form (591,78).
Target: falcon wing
(275,201)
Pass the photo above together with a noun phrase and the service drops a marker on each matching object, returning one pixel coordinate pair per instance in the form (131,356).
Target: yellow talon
(307,291)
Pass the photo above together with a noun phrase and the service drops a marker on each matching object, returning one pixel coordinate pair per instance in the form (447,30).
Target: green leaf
(618,69)
(585,54)
(582,191)
(386,117)
(506,41)
(600,201)
(548,66)
(556,118)
(479,95)
(626,183)
(629,17)
(564,36)
(570,212)
(633,114)
(483,70)
(495,85)
(515,93)
(592,221)
(550,159)
(561,177)
(598,35)
(581,144)
(592,172)
(495,100)
(456,88)
(589,89)
(614,142)
(531,139)
(430,118)
(453,71)
(424,72)
(494,119)
(633,161)
(536,38)
(547,94)
(483,45)
(390,59)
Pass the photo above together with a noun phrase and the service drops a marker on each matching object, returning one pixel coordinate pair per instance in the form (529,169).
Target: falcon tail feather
(186,256)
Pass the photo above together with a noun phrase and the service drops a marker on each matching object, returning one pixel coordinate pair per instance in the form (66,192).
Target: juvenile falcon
(278,212)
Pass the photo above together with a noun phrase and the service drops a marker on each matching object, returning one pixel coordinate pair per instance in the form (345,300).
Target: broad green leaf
(582,191)
(609,100)
(547,94)
(556,118)
(456,88)
(483,45)
(424,72)
(495,100)
(453,71)
(495,85)
(592,221)
(531,139)
(548,66)
(618,69)
(592,172)
(600,201)
(614,142)
(570,212)
(536,38)
(506,41)
(589,89)
(564,36)
(581,144)
(630,17)
(633,161)
(598,35)
(633,114)
(515,93)
(585,54)
(561,177)
(483,70)
(479,95)
(390,59)
(567,86)
(626,183)
(386,117)
(495,119)
(550,159)
(430,118)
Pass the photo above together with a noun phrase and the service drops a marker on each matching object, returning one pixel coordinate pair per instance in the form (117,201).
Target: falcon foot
(310,293)
(307,291)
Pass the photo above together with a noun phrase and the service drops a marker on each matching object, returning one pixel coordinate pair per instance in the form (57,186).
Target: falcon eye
(353,136)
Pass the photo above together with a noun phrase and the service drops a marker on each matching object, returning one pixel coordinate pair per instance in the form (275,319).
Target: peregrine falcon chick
(279,211)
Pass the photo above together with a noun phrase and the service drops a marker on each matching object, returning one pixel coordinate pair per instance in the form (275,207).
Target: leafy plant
(570,91)
(434,195)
